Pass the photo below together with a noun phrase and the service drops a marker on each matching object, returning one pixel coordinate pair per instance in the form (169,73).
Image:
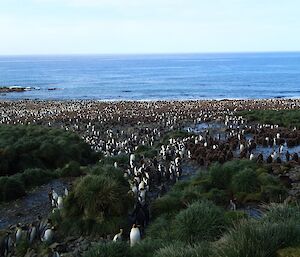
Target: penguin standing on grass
(135,235)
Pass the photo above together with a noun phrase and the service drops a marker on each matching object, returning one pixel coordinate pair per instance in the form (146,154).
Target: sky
(148,26)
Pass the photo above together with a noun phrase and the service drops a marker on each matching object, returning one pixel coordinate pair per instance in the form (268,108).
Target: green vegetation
(255,238)
(146,151)
(285,118)
(27,147)
(146,248)
(33,155)
(115,249)
(242,179)
(188,227)
(175,134)
(246,181)
(178,249)
(191,220)
(98,203)
(268,237)
(289,252)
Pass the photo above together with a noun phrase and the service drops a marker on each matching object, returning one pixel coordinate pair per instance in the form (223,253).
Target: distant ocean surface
(153,77)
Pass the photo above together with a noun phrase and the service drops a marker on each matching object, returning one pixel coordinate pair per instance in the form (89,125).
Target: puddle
(217,129)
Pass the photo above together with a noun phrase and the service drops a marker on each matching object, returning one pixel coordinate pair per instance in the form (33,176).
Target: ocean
(153,77)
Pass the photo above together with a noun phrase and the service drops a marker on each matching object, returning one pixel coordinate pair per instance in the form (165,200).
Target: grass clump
(146,151)
(178,249)
(289,252)
(25,147)
(34,155)
(245,181)
(282,213)
(71,169)
(285,118)
(160,229)
(110,249)
(146,248)
(100,196)
(175,134)
(200,221)
(10,189)
(263,239)
(98,204)
(168,204)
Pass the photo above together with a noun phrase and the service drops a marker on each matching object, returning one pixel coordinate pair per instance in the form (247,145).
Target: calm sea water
(153,77)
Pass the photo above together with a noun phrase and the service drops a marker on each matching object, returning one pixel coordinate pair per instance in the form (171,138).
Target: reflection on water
(219,130)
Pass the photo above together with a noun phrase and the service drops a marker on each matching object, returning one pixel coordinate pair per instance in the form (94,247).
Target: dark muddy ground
(26,209)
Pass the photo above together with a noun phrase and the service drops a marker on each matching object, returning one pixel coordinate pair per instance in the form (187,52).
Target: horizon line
(148,54)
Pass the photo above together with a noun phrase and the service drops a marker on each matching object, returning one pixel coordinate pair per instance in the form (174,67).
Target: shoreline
(154,100)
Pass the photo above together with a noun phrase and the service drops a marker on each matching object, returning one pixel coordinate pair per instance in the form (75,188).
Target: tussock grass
(177,249)
(253,239)
(286,118)
(201,221)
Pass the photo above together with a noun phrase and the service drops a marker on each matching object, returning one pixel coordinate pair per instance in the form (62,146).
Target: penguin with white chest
(19,233)
(135,235)
(48,235)
(60,202)
(118,237)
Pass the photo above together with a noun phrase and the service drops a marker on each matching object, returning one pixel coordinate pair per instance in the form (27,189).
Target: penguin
(142,196)
(132,160)
(66,191)
(189,154)
(60,203)
(54,198)
(116,165)
(232,205)
(32,233)
(242,148)
(142,185)
(118,237)
(6,245)
(19,233)
(177,161)
(48,235)
(251,157)
(281,149)
(135,235)
(40,226)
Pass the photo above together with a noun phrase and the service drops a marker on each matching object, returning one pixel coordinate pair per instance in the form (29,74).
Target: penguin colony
(120,128)
(40,230)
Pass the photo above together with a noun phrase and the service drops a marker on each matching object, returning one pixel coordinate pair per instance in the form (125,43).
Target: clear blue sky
(148,26)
